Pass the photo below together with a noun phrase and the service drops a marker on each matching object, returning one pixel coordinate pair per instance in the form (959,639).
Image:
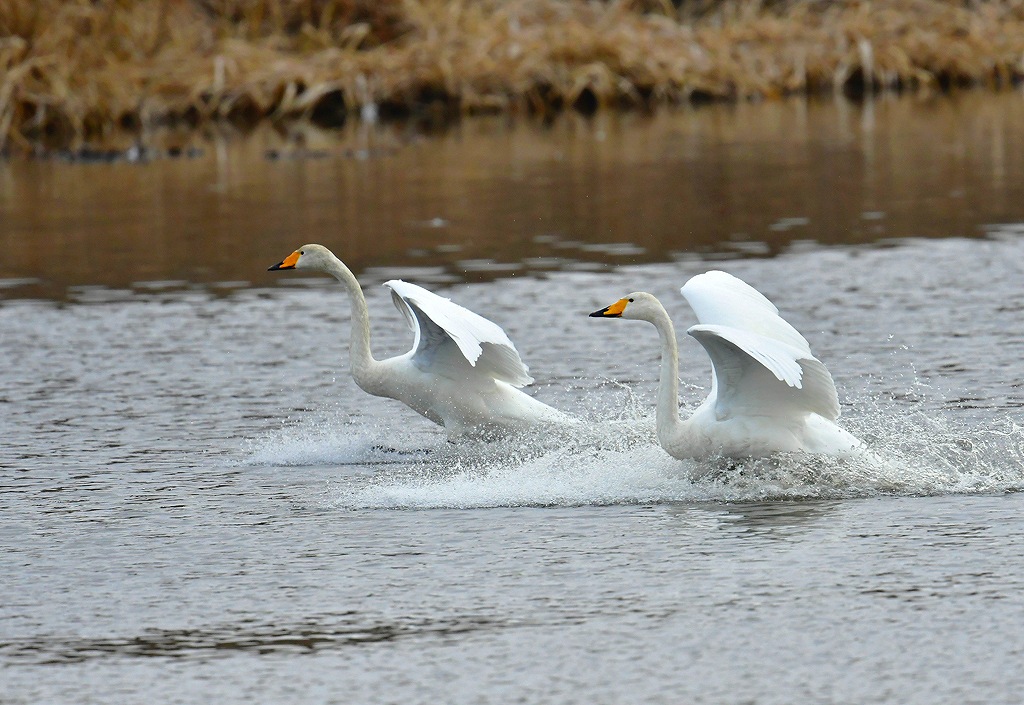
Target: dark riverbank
(80,72)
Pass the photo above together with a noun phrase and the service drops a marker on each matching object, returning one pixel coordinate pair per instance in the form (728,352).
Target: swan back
(438,322)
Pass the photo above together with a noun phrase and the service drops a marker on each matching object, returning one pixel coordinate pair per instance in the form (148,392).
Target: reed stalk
(73,70)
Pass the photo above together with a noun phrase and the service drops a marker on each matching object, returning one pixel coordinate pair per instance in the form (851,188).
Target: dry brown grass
(83,69)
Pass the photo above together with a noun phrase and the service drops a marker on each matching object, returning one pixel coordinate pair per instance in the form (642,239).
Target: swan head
(638,306)
(316,257)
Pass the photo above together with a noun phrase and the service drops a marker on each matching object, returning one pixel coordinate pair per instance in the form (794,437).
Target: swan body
(462,373)
(769,394)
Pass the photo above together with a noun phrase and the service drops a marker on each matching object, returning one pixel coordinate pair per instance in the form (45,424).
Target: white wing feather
(437,321)
(760,376)
(739,326)
(719,298)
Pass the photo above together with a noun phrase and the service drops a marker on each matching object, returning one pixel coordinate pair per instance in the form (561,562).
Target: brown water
(198,505)
(493,196)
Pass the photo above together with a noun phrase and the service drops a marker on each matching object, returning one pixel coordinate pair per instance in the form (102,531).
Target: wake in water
(333,439)
(619,462)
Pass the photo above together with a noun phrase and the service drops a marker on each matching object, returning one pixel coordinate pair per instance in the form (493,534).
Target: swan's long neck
(363,364)
(668,422)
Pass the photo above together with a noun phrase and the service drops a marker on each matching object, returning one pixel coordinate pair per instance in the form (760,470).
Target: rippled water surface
(198,505)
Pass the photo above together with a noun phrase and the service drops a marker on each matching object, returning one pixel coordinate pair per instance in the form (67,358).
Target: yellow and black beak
(287,263)
(613,311)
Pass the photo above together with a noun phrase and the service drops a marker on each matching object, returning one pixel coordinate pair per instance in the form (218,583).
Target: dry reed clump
(82,69)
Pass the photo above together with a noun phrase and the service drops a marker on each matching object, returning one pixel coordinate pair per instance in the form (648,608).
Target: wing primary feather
(482,342)
(798,380)
(402,306)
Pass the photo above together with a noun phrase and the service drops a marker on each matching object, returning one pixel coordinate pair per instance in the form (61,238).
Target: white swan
(462,372)
(769,394)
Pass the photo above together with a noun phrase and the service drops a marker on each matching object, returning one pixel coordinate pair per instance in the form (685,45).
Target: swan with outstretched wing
(769,394)
(463,372)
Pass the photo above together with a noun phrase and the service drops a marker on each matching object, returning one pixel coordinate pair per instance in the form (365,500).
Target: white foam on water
(912,452)
(335,439)
(556,478)
(929,462)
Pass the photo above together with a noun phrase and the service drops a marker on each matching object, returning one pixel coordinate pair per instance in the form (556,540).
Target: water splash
(913,452)
(331,438)
(645,474)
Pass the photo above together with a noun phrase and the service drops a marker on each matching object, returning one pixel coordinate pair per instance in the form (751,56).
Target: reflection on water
(326,632)
(778,520)
(494,197)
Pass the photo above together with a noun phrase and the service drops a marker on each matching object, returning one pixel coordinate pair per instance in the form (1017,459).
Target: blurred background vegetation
(80,70)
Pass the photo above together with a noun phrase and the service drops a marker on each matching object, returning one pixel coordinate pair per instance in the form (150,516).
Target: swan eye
(302,252)
(631,301)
